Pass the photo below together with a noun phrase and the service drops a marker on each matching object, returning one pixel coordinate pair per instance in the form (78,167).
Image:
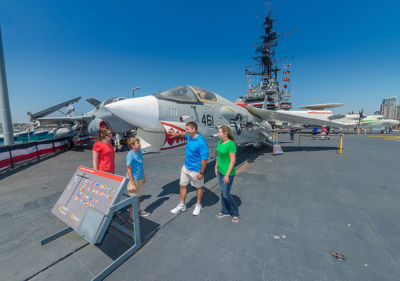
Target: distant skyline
(345,51)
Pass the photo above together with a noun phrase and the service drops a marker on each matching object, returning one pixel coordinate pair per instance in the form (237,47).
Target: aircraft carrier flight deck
(298,211)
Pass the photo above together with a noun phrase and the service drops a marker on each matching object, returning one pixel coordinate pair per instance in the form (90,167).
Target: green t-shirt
(224,160)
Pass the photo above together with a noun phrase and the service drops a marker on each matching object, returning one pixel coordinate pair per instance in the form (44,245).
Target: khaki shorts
(188,176)
(139,188)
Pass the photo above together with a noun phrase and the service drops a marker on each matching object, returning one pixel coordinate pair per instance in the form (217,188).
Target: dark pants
(292,136)
(228,205)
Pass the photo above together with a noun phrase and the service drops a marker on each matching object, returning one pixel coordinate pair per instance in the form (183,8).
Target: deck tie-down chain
(338,255)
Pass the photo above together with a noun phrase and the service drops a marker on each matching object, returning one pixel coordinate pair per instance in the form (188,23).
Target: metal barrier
(365,131)
(274,137)
(333,137)
(16,155)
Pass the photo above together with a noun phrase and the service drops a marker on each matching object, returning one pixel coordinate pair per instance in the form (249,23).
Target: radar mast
(265,57)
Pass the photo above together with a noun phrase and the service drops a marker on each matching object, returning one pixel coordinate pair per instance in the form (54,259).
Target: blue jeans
(228,205)
(292,136)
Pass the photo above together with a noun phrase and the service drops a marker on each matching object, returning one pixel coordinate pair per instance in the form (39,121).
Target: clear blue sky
(345,51)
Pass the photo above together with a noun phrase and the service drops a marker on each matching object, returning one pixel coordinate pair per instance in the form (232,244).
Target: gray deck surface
(316,200)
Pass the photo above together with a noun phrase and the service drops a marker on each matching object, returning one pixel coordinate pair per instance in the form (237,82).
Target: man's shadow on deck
(149,228)
(245,154)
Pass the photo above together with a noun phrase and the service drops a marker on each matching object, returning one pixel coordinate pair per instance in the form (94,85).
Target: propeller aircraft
(320,116)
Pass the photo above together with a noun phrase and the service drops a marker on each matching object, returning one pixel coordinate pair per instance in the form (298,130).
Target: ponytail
(226,130)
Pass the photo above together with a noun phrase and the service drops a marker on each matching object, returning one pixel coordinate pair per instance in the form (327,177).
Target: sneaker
(235,219)
(221,215)
(197,210)
(178,209)
(144,214)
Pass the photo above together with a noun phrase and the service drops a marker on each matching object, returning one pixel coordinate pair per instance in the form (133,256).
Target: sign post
(87,206)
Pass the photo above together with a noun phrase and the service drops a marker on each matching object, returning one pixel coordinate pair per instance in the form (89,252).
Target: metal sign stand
(94,218)
(95,225)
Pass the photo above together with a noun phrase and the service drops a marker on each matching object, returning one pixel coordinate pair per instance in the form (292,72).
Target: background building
(388,107)
(397,113)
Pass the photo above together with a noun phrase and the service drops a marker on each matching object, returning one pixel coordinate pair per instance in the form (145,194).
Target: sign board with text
(88,188)
(276,149)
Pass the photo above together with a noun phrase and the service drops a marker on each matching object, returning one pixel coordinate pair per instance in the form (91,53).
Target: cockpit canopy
(204,94)
(115,99)
(189,94)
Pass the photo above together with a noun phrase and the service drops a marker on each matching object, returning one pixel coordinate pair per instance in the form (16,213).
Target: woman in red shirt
(103,152)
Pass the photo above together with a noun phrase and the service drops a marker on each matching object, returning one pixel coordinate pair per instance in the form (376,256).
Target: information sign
(88,188)
(276,150)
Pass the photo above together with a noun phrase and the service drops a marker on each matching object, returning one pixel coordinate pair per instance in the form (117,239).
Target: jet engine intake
(95,125)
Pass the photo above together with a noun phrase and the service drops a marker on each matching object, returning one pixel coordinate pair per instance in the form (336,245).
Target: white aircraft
(169,111)
(320,116)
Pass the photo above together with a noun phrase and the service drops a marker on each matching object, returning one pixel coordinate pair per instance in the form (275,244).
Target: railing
(14,156)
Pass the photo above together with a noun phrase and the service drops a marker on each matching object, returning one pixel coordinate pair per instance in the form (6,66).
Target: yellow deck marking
(386,137)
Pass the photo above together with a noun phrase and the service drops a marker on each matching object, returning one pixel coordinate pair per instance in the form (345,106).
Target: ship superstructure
(268,88)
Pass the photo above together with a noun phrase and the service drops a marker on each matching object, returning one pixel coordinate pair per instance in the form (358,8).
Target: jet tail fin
(70,111)
(52,109)
(93,101)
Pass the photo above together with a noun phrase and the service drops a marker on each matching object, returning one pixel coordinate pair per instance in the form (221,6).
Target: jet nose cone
(141,112)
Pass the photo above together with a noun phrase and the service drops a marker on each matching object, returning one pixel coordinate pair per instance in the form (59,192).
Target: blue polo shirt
(315,129)
(196,150)
(136,161)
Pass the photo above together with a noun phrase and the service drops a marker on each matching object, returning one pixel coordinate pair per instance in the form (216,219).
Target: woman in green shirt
(225,171)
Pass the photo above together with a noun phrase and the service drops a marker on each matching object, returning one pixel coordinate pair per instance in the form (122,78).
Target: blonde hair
(226,130)
(131,141)
(102,133)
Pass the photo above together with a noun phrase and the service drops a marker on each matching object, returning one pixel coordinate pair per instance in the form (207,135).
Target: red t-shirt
(105,161)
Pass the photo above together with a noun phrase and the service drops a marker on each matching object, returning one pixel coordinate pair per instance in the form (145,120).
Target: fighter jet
(320,116)
(87,124)
(162,113)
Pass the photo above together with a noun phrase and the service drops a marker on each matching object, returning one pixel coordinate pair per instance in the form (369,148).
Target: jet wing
(44,122)
(52,109)
(270,115)
(267,115)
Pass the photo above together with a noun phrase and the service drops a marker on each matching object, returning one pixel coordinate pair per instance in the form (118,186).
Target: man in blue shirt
(315,132)
(192,172)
